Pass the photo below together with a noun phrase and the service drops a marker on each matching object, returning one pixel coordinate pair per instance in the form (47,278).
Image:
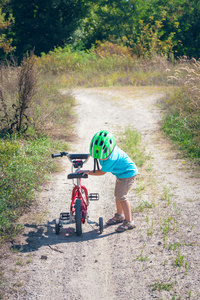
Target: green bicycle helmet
(102,144)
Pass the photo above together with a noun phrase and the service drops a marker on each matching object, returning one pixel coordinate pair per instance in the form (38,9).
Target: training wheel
(57,226)
(101,224)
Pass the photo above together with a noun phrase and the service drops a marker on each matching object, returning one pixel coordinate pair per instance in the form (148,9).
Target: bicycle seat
(76,175)
(78,156)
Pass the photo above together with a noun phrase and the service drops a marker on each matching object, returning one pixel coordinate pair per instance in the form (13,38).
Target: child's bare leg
(124,207)
(127,210)
(119,207)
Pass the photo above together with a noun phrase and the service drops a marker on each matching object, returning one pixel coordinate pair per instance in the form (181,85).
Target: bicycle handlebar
(72,157)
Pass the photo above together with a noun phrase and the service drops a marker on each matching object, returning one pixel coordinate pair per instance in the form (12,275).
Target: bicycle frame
(79,192)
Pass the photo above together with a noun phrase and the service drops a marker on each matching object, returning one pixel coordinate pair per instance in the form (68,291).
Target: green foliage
(153,26)
(43,25)
(130,142)
(5,41)
(148,27)
(23,166)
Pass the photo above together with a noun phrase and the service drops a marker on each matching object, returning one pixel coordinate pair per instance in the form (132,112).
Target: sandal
(125,226)
(115,220)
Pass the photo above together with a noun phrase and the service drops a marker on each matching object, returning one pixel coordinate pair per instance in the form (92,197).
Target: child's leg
(124,207)
(127,210)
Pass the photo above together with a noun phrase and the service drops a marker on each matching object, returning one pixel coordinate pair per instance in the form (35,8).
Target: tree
(5,42)
(108,20)
(153,25)
(44,25)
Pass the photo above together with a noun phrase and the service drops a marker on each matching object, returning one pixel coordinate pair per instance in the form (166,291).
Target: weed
(15,117)
(19,262)
(166,195)
(179,259)
(168,224)
(142,206)
(141,257)
(174,246)
(150,230)
(149,167)
(18,284)
(161,286)
(186,268)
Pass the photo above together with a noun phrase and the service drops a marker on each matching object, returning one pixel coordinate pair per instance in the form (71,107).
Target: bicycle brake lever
(63,153)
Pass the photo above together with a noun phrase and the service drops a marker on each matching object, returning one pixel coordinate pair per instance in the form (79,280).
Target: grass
(130,142)
(24,165)
(103,67)
(181,121)
(162,286)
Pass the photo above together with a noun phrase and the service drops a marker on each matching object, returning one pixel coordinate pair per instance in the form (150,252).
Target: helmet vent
(96,142)
(101,143)
(105,150)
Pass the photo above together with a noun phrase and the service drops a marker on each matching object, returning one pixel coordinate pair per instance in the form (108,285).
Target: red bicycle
(80,197)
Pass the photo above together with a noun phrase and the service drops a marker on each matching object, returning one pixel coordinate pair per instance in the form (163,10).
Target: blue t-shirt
(119,164)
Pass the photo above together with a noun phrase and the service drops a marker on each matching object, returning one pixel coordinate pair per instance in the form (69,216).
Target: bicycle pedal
(65,216)
(93,196)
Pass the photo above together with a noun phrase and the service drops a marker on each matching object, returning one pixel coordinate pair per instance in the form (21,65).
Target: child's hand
(87,172)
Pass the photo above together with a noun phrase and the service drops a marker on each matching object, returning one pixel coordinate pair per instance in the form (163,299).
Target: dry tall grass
(183,106)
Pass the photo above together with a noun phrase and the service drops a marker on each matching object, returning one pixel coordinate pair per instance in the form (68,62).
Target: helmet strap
(96,164)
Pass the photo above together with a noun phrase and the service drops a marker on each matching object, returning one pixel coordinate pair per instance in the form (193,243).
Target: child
(114,160)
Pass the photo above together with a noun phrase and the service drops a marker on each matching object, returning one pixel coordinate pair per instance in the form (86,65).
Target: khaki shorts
(122,186)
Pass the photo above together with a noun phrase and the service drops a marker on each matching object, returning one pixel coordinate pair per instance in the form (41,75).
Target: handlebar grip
(61,154)
(56,155)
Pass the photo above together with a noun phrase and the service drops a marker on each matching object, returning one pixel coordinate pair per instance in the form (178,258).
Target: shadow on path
(38,237)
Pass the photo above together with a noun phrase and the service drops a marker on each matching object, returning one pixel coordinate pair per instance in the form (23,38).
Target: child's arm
(90,172)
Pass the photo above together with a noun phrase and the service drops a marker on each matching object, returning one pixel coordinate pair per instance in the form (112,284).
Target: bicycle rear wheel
(78,217)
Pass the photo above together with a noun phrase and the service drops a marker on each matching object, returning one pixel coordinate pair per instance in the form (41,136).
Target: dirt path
(159,259)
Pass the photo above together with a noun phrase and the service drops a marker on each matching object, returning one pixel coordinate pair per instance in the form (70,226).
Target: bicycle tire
(100,224)
(78,217)
(57,226)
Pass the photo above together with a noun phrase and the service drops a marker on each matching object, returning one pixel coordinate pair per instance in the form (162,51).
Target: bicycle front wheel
(78,217)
